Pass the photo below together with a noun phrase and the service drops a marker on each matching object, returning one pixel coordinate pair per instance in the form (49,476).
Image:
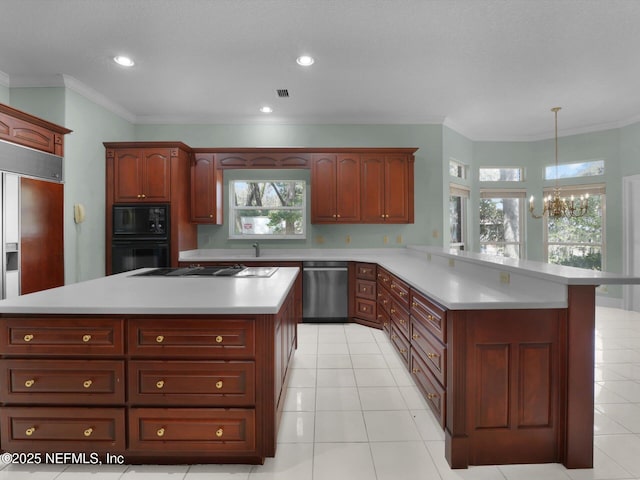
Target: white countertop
(125,294)
(458,281)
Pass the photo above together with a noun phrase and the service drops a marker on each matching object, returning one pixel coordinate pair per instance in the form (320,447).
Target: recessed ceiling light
(266,109)
(305,60)
(124,61)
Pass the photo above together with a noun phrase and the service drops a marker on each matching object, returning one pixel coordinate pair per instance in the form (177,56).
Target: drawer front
(431,389)
(434,352)
(192,430)
(399,317)
(191,383)
(96,382)
(384,298)
(366,289)
(400,291)
(56,429)
(61,336)
(401,343)
(366,309)
(366,271)
(430,315)
(384,277)
(213,338)
(384,320)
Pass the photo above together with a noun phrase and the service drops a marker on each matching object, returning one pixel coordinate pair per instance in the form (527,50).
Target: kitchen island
(502,349)
(149,369)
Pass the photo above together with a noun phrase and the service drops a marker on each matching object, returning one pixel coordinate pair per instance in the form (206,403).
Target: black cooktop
(213,271)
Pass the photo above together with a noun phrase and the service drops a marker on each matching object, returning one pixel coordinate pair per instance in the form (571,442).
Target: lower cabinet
(155,389)
(363,294)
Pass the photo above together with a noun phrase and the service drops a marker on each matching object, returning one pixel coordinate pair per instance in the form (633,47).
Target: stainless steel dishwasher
(325,287)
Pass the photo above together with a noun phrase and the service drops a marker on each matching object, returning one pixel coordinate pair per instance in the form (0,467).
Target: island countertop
(126,294)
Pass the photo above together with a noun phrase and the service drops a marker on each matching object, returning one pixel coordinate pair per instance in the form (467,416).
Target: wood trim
(15,113)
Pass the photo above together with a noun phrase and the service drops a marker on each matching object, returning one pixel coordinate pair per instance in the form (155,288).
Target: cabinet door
(323,188)
(348,188)
(205,189)
(397,189)
(127,172)
(372,171)
(156,181)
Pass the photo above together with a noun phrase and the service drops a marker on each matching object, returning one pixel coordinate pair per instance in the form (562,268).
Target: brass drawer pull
(394,336)
(415,336)
(402,322)
(219,339)
(87,383)
(86,338)
(403,350)
(29,383)
(160,432)
(402,294)
(431,317)
(393,310)
(385,324)
(29,431)
(159,339)
(393,286)
(414,304)
(431,396)
(416,370)
(219,432)
(160,384)
(88,432)
(219,384)
(432,355)
(28,337)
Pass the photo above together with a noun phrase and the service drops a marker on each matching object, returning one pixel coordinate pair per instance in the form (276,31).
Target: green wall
(47,103)
(5,95)
(630,150)
(428,176)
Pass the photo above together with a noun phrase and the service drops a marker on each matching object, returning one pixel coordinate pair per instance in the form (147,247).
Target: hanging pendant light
(556,206)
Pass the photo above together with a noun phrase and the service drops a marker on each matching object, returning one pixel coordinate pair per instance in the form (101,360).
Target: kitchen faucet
(257,247)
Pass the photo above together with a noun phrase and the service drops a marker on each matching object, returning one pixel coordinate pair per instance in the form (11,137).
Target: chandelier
(556,206)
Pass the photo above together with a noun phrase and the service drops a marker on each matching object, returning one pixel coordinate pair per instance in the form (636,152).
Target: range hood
(30,162)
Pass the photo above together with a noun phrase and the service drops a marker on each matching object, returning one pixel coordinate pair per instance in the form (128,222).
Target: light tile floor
(352,412)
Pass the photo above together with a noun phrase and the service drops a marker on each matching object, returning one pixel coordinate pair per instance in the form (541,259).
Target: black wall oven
(140,237)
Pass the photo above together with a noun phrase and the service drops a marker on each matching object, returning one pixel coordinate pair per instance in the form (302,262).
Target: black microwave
(140,222)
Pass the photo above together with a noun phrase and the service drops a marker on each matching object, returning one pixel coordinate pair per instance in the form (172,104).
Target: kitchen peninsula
(159,370)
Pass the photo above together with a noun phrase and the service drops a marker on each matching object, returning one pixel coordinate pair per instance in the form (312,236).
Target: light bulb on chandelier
(556,206)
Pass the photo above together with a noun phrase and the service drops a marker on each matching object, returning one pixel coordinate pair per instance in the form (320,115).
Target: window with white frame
(267,209)
(458,169)
(458,199)
(579,241)
(501,174)
(588,168)
(501,222)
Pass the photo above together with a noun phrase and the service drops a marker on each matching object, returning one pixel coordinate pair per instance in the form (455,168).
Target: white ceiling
(490,69)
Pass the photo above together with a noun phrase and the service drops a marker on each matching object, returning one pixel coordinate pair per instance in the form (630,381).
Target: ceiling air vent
(283,93)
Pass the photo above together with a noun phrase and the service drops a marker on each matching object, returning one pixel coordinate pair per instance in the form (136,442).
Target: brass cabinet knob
(88,432)
(338,216)
(160,384)
(219,384)
(432,395)
(86,338)
(403,350)
(160,339)
(382,216)
(143,196)
(160,432)
(394,336)
(432,355)
(393,286)
(414,304)
(211,215)
(385,324)
(87,383)
(416,370)
(219,339)
(334,215)
(29,383)
(29,431)
(431,317)
(28,337)
(402,322)
(219,432)
(415,336)
(393,310)
(402,294)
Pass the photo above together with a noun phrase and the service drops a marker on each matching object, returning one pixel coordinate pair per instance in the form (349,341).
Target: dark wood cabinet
(386,188)
(142,175)
(19,127)
(362,286)
(206,190)
(335,188)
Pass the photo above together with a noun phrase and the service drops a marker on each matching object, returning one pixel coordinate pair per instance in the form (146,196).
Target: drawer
(384,320)
(430,387)
(191,383)
(97,382)
(214,338)
(384,298)
(430,315)
(61,336)
(384,277)
(57,429)
(192,430)
(366,271)
(400,317)
(434,353)
(366,289)
(400,291)
(401,343)
(366,309)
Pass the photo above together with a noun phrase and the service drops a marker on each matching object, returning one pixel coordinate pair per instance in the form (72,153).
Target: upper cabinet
(141,175)
(19,127)
(335,188)
(206,190)
(386,184)
(366,186)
